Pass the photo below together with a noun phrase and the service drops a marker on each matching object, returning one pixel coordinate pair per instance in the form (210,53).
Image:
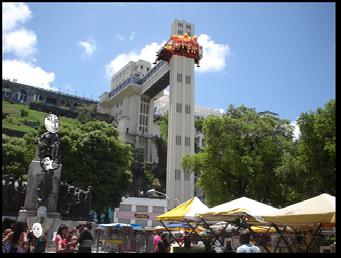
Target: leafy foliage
(312,161)
(17,154)
(91,154)
(241,153)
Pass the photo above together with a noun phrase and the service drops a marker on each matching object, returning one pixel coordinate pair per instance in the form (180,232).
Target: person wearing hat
(85,238)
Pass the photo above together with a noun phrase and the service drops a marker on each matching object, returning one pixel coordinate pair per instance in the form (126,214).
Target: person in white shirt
(246,245)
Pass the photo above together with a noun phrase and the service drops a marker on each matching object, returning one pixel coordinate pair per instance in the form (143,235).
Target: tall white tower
(180,184)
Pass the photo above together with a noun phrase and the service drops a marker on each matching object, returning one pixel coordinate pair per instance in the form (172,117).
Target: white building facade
(135,88)
(143,211)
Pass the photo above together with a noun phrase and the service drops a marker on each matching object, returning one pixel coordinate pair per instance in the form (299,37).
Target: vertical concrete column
(180,129)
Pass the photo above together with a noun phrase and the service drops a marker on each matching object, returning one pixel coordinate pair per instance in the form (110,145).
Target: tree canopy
(312,160)
(92,154)
(241,153)
(17,154)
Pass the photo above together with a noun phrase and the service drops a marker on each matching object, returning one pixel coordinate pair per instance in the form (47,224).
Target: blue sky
(269,56)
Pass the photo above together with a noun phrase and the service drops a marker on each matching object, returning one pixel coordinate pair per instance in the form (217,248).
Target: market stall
(185,212)
(309,216)
(242,212)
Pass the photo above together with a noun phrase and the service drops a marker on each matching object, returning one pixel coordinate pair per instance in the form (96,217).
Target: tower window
(179,77)
(178,107)
(177,174)
(188,79)
(178,140)
(187,109)
(187,141)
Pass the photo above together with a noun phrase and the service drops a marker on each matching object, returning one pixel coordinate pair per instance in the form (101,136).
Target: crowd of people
(18,238)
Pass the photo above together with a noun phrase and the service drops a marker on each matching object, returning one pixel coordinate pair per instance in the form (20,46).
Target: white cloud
(148,53)
(123,38)
(120,38)
(20,42)
(297,131)
(132,35)
(214,55)
(89,47)
(14,14)
(27,73)
(16,39)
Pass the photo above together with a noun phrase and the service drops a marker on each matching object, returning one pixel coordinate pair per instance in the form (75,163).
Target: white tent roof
(319,209)
(238,207)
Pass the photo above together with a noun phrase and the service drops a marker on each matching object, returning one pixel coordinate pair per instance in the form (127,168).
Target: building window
(180,25)
(187,176)
(179,77)
(141,208)
(141,67)
(178,140)
(178,107)
(177,174)
(188,26)
(125,207)
(180,32)
(188,79)
(187,141)
(158,209)
(187,109)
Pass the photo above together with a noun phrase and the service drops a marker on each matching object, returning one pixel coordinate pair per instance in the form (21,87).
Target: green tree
(91,154)
(17,154)
(240,156)
(163,123)
(313,159)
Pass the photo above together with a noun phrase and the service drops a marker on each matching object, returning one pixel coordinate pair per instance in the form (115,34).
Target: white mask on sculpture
(37,230)
(52,123)
(47,163)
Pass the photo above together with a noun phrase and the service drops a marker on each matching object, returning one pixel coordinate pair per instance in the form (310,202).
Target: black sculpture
(13,195)
(74,203)
(48,144)
(44,189)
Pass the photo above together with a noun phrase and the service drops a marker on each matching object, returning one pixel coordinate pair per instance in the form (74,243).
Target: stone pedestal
(35,175)
(29,214)
(50,224)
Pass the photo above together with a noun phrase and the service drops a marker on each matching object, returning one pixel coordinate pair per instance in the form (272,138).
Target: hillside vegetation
(20,117)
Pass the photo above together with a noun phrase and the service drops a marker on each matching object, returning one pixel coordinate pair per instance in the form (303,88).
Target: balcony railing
(136,80)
